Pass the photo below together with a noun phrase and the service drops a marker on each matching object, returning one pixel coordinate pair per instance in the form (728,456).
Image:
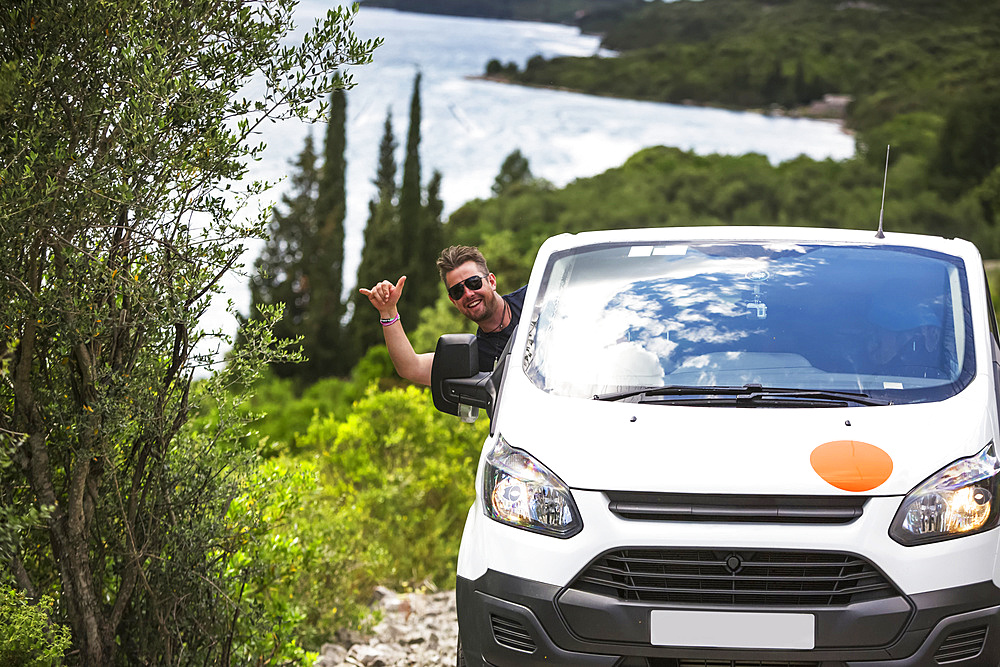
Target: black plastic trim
(935,616)
(735,508)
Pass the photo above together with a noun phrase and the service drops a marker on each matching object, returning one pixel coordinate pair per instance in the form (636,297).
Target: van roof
(745,233)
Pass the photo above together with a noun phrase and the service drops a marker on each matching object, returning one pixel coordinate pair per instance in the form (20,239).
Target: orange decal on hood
(851,465)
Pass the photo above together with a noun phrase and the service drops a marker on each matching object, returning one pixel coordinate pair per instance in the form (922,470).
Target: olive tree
(127,130)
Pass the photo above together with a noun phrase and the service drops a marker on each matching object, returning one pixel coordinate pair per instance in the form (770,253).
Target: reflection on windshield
(891,321)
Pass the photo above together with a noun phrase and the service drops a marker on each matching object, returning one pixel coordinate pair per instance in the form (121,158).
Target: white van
(733,447)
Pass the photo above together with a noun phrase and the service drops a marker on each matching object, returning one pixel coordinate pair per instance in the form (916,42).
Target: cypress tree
(280,275)
(434,204)
(402,237)
(419,273)
(431,237)
(382,254)
(323,327)
(385,176)
(302,263)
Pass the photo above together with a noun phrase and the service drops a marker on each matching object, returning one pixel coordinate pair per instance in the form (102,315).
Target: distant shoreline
(813,112)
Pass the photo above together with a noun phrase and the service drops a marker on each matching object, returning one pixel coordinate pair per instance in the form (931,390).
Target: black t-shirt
(491,344)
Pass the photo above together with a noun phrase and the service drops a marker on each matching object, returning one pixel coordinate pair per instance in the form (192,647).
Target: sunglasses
(458,289)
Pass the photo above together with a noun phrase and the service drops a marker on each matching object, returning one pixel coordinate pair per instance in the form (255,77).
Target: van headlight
(959,500)
(521,492)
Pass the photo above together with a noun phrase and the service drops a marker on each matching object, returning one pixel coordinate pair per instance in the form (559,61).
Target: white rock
(417,630)
(331,655)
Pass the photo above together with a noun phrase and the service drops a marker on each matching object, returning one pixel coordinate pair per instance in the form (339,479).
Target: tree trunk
(67,525)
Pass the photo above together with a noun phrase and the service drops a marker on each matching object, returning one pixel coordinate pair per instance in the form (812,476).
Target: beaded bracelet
(387,322)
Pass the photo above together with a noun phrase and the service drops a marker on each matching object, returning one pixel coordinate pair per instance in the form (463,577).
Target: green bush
(29,637)
(303,561)
(374,494)
(281,409)
(403,473)
(286,409)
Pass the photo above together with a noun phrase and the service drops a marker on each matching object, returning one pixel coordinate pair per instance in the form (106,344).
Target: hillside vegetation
(892,56)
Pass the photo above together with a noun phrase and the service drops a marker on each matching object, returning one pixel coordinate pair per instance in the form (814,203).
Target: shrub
(406,471)
(29,638)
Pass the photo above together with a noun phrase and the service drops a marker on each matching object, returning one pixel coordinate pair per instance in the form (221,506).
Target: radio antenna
(885,178)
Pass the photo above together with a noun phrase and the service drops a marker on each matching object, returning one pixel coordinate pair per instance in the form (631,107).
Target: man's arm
(411,366)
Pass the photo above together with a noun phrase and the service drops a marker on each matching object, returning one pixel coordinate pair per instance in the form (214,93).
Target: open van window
(889,322)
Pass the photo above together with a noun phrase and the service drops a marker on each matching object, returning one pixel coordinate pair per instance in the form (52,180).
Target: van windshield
(890,322)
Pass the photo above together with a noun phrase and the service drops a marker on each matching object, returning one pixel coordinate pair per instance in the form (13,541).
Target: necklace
(503,316)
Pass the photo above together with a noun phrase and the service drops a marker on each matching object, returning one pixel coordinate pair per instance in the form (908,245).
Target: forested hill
(552,11)
(891,56)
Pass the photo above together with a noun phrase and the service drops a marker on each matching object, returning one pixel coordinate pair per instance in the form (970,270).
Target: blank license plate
(732,629)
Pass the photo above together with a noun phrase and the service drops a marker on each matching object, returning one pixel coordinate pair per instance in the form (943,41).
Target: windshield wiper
(756,392)
(671,390)
(746,394)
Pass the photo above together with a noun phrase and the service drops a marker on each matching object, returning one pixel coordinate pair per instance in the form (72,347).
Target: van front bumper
(510,621)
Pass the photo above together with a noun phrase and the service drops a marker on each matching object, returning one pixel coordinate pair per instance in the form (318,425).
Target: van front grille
(735,577)
(735,508)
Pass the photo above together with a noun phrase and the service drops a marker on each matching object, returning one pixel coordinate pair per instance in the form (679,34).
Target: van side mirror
(456,382)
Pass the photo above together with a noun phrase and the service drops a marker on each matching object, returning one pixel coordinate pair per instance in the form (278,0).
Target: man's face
(477,305)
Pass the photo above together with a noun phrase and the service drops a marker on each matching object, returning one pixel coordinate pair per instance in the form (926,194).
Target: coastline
(825,111)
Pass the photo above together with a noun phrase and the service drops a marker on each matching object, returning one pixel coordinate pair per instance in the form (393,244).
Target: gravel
(416,630)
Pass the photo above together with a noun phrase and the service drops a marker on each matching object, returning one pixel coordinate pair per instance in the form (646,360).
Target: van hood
(724,450)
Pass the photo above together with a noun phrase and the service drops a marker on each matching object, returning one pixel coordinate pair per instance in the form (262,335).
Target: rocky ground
(416,630)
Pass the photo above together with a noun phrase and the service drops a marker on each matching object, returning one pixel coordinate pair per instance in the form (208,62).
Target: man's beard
(490,307)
